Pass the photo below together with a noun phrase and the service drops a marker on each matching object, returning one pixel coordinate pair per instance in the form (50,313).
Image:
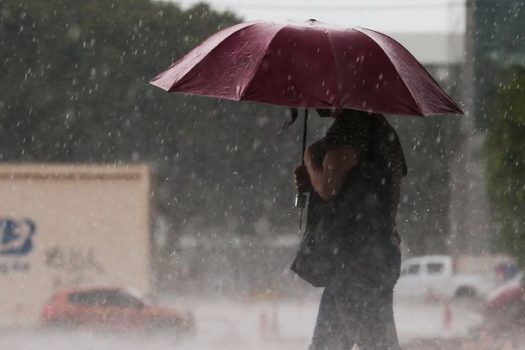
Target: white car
(434,277)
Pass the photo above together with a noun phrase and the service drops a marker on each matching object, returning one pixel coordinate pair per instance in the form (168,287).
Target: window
(111,298)
(411,270)
(434,268)
(90,298)
(118,299)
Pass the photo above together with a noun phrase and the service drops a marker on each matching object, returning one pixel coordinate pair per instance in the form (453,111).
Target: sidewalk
(256,325)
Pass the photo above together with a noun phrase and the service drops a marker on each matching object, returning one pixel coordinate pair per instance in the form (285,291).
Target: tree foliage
(74,88)
(505,158)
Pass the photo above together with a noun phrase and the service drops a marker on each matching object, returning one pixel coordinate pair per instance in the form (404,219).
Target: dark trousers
(358,311)
(355,315)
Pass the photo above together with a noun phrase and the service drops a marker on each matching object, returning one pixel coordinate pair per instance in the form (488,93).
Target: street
(248,325)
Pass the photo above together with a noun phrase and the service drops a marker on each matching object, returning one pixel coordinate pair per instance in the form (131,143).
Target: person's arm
(328,173)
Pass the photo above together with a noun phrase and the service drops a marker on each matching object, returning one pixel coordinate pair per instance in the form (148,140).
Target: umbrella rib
(337,66)
(258,65)
(190,69)
(450,99)
(395,68)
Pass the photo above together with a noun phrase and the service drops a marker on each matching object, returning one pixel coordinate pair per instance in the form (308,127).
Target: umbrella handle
(301,198)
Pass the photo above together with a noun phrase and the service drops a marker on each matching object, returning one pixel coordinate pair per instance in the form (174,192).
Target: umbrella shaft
(301,198)
(305,129)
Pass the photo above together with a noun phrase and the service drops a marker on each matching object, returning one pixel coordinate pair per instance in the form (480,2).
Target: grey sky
(384,15)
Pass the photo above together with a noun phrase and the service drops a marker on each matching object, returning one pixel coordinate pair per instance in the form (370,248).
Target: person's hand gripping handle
(302,184)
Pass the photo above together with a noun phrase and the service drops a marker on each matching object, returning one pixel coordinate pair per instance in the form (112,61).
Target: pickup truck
(436,276)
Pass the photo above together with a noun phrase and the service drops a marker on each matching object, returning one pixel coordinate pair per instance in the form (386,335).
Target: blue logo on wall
(16,236)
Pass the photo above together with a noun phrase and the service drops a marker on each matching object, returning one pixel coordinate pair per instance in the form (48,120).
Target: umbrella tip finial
(312,20)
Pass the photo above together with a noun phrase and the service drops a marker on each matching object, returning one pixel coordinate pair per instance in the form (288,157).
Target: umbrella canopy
(310,65)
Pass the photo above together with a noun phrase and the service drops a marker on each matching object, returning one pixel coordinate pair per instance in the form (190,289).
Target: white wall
(91,227)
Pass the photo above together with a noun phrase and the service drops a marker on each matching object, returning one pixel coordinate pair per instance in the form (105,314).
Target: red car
(505,307)
(111,309)
(506,296)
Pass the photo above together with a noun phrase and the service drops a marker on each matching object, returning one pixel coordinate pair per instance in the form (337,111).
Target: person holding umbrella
(354,175)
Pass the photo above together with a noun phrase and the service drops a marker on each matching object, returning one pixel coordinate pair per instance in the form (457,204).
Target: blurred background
(109,181)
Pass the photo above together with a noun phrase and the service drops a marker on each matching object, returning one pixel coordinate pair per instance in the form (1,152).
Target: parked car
(435,276)
(506,296)
(503,317)
(113,309)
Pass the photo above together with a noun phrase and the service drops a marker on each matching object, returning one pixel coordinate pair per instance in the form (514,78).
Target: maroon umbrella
(310,65)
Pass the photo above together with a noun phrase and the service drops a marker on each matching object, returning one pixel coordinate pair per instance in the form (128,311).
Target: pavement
(224,324)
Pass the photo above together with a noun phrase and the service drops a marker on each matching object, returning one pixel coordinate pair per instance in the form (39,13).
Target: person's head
(356,128)
(347,122)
